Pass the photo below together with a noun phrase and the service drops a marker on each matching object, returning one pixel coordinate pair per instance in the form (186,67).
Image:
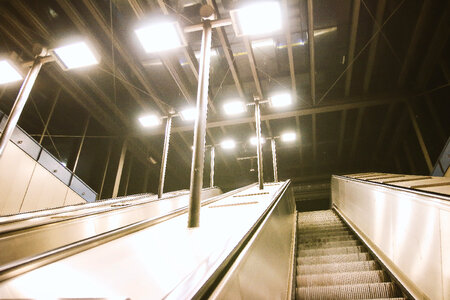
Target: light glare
(150,121)
(188,114)
(263,43)
(259,18)
(8,73)
(254,140)
(228,144)
(76,55)
(159,37)
(234,107)
(288,137)
(281,100)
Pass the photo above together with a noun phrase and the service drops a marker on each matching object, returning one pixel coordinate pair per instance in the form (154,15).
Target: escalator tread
(333,264)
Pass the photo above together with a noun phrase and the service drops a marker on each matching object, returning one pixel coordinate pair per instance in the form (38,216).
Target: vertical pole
(86,125)
(274,160)
(108,157)
(119,169)
(130,167)
(198,154)
(145,185)
(162,173)
(259,145)
(19,104)
(50,114)
(211,175)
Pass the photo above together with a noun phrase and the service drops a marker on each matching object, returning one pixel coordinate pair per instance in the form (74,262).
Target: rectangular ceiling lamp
(76,55)
(150,120)
(254,140)
(188,114)
(8,73)
(280,100)
(228,144)
(288,137)
(160,37)
(257,18)
(235,107)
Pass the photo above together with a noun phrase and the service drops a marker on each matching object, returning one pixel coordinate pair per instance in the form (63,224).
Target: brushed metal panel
(16,169)
(82,189)
(54,166)
(445,250)
(44,191)
(73,198)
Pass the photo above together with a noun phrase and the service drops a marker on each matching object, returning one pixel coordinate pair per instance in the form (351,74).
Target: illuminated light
(188,114)
(234,107)
(263,43)
(160,37)
(213,53)
(150,120)
(228,144)
(76,55)
(8,73)
(258,18)
(281,100)
(288,137)
(254,140)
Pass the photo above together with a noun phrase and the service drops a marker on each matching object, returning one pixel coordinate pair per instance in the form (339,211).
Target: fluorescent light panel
(8,73)
(253,140)
(150,120)
(159,37)
(281,100)
(234,107)
(76,55)
(259,18)
(228,144)
(188,114)
(288,137)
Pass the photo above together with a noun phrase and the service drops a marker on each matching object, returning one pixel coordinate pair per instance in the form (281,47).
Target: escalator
(332,263)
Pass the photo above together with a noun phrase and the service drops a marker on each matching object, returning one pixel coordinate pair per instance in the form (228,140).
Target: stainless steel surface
(123,152)
(51,164)
(151,263)
(162,173)
(274,160)
(23,141)
(211,174)
(404,228)
(82,189)
(20,102)
(263,269)
(32,237)
(198,154)
(259,145)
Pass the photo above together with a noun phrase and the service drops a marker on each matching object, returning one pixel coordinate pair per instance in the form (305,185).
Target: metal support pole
(108,157)
(162,173)
(211,175)
(259,145)
(274,160)
(198,154)
(130,167)
(423,147)
(119,169)
(50,115)
(77,159)
(19,104)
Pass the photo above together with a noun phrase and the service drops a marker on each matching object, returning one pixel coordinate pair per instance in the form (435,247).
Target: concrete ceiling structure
(370,79)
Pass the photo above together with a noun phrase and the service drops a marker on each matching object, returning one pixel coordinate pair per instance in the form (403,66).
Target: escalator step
(354,266)
(331,251)
(324,233)
(326,245)
(312,239)
(342,278)
(355,291)
(313,228)
(327,259)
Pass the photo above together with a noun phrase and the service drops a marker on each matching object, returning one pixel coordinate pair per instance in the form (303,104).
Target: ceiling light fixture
(234,107)
(257,18)
(288,137)
(280,100)
(76,55)
(150,120)
(254,141)
(160,37)
(228,144)
(188,114)
(8,72)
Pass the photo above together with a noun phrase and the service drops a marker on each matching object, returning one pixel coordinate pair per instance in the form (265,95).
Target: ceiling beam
(289,50)
(414,43)
(252,61)
(352,46)
(373,45)
(312,68)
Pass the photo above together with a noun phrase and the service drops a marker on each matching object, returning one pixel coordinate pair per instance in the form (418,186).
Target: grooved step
(355,266)
(330,251)
(324,233)
(338,258)
(354,291)
(330,227)
(342,278)
(326,245)
(331,238)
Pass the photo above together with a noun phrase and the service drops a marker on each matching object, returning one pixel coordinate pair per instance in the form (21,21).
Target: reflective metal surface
(154,262)
(407,229)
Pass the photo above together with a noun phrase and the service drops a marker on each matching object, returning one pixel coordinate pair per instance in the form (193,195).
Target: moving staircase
(333,264)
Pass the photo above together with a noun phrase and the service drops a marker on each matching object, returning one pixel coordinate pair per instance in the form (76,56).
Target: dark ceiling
(372,68)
